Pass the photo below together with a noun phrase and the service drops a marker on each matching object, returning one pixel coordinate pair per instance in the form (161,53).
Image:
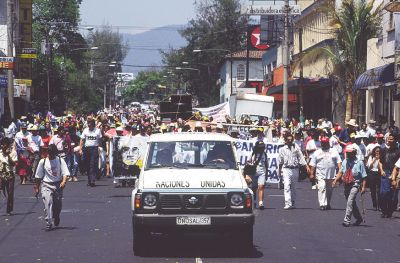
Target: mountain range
(144,47)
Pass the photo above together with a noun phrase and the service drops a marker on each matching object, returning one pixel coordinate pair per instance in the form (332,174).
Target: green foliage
(148,85)
(218,25)
(56,22)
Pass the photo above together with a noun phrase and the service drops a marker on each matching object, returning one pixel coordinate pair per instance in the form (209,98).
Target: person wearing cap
(36,145)
(260,160)
(354,176)
(323,165)
(389,195)
(290,159)
(344,135)
(361,151)
(21,145)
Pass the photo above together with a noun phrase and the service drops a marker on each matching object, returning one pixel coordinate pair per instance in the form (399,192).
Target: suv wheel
(140,237)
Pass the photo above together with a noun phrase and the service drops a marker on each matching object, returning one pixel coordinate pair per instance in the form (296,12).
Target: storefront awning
(374,78)
(292,84)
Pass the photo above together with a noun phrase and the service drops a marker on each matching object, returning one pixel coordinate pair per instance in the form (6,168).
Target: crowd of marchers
(49,151)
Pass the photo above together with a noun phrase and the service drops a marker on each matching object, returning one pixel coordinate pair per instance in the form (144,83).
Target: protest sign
(244,149)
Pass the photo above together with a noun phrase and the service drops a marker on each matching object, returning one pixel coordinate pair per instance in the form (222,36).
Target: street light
(217,50)
(84,48)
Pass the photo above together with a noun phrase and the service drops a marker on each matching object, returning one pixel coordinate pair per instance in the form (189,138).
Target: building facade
(236,82)
(378,84)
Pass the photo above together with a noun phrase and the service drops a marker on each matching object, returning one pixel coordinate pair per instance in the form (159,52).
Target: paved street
(96,227)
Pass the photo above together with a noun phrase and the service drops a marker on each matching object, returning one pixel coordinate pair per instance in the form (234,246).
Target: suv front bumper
(157,221)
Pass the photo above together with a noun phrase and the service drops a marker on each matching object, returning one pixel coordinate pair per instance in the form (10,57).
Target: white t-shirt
(91,138)
(52,170)
(375,167)
(19,137)
(36,143)
(325,162)
(333,141)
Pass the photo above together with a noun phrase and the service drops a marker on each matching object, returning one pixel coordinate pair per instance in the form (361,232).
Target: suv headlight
(149,201)
(237,201)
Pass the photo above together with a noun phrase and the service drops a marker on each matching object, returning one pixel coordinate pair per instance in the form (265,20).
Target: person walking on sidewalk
(323,165)
(51,176)
(8,158)
(290,159)
(354,175)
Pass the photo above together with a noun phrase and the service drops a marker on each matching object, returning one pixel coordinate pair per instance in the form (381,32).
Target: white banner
(218,112)
(244,149)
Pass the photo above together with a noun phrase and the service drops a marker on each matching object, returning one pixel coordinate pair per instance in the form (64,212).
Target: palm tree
(353,24)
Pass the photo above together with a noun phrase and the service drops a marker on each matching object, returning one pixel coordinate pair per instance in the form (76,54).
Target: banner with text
(244,149)
(218,112)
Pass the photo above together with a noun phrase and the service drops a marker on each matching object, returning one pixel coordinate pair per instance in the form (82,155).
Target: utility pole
(10,47)
(285,61)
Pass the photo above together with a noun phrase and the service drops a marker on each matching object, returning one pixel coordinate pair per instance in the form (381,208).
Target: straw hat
(352,122)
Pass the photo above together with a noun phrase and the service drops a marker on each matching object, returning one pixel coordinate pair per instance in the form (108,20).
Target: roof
(189,136)
(253,54)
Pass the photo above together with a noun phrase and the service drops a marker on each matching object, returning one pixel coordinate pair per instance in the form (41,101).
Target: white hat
(220,126)
(119,128)
(198,124)
(352,122)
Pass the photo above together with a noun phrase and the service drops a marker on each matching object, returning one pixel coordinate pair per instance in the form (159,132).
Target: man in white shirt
(35,145)
(51,175)
(323,164)
(89,147)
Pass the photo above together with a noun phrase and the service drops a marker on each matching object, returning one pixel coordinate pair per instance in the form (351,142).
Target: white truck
(252,106)
(191,182)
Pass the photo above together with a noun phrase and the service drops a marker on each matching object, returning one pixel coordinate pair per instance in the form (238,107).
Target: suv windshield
(200,154)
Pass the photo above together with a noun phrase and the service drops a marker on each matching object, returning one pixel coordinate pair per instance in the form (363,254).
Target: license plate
(193,220)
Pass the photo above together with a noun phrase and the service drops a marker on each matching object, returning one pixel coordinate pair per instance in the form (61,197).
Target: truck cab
(191,182)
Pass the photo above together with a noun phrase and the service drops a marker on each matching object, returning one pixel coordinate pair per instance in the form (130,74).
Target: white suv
(191,182)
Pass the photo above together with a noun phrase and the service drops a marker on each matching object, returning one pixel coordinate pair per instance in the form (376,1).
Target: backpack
(348,177)
(251,168)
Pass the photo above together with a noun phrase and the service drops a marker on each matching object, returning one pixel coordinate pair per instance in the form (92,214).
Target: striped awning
(374,78)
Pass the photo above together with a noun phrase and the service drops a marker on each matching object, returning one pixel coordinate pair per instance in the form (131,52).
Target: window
(240,74)
(200,154)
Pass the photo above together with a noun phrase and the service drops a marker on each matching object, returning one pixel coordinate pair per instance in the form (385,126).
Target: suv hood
(165,178)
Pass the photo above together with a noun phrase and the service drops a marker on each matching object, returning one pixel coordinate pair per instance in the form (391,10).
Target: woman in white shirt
(375,171)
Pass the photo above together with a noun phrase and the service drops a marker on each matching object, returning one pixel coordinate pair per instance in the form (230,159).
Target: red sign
(255,39)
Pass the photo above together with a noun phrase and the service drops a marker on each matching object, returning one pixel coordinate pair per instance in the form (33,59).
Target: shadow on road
(199,246)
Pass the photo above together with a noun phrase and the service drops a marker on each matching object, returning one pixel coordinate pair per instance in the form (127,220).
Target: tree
(54,22)
(148,85)
(354,23)
(218,25)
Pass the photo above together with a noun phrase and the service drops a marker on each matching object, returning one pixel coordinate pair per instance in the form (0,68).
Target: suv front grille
(170,202)
(215,202)
(207,203)
(193,201)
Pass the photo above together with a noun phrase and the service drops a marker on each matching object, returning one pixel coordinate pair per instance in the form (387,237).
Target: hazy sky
(136,15)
